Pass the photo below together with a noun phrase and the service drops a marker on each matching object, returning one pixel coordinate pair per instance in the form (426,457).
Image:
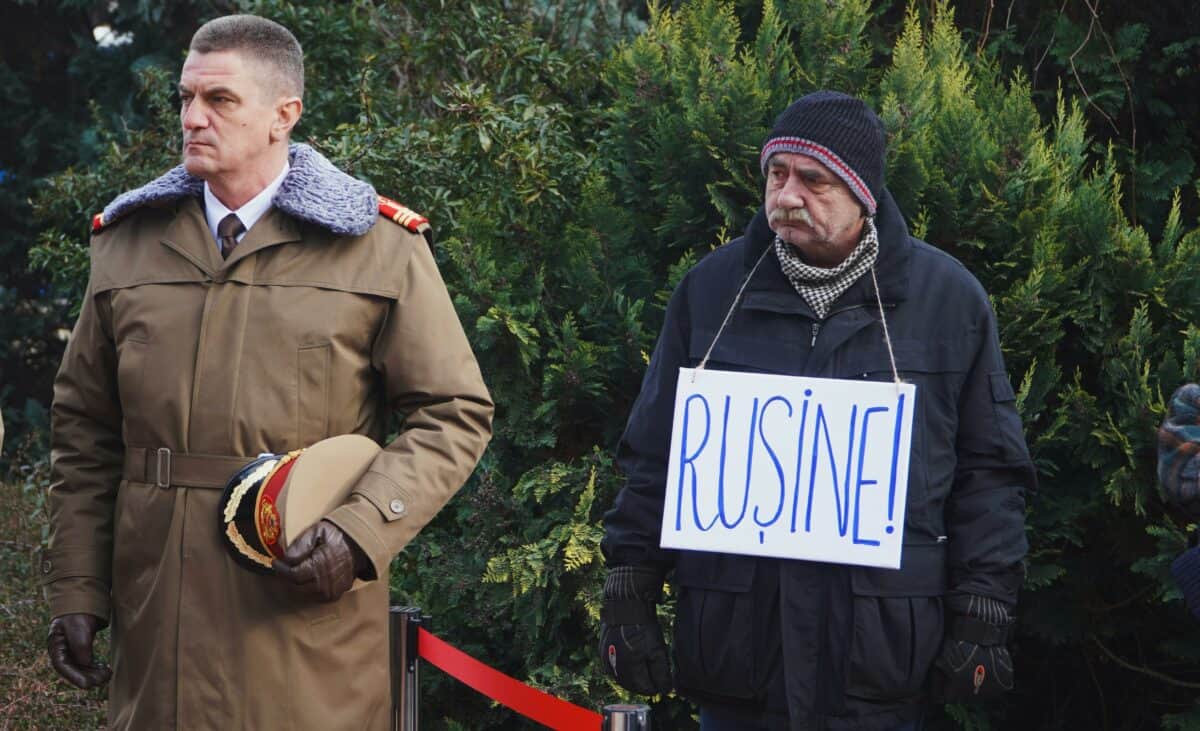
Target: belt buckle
(162,477)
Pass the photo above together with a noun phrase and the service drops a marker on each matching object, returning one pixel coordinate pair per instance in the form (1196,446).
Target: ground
(31,695)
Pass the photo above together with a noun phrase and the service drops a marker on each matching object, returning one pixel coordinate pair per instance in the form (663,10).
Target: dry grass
(31,695)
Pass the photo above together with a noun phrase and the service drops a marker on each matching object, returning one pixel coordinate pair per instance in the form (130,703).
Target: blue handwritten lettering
(859,482)
(775,459)
(686,461)
(895,460)
(749,467)
(844,515)
(799,456)
(812,475)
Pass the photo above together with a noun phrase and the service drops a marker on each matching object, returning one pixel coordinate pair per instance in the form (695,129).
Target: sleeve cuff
(78,595)
(354,519)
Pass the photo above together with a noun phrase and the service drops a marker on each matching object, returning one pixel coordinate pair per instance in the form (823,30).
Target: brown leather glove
(69,646)
(322,563)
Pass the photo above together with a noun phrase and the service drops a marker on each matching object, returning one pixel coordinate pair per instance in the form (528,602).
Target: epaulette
(402,215)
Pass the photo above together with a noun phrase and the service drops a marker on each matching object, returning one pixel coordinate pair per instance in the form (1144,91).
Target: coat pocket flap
(715,571)
(365,286)
(922,572)
(133,278)
(1002,389)
(750,354)
(911,356)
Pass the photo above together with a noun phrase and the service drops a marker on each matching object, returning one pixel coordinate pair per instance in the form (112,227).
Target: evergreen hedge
(575,166)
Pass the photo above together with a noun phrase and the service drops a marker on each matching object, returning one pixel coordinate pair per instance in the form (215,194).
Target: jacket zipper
(820,706)
(820,701)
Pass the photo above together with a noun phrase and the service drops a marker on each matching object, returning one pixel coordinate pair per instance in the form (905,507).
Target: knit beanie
(1179,450)
(840,132)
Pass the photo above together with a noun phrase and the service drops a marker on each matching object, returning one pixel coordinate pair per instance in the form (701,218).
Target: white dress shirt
(248,214)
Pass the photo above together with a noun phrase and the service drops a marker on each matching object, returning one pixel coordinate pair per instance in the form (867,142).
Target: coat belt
(165,468)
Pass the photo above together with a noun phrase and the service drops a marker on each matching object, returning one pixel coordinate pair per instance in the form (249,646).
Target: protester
(834,287)
(1179,475)
(251,300)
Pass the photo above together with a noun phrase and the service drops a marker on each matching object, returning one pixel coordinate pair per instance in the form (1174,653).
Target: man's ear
(287,114)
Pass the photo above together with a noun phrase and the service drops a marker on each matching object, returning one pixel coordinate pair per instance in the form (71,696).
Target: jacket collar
(891,267)
(314,191)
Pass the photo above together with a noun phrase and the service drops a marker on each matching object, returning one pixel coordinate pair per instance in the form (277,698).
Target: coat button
(397,506)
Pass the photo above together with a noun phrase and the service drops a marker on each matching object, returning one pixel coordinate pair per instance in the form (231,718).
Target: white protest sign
(807,468)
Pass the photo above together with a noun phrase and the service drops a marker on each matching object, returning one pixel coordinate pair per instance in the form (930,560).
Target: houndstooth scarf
(820,287)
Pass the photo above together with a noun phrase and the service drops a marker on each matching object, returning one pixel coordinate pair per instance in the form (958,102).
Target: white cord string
(887,338)
(729,314)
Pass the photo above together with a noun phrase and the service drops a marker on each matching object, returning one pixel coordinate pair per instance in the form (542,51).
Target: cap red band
(267,520)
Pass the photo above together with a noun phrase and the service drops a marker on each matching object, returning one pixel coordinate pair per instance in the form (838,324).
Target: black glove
(69,646)
(974,663)
(632,649)
(321,563)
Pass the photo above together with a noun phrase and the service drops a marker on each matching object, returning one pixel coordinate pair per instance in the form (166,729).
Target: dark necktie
(228,230)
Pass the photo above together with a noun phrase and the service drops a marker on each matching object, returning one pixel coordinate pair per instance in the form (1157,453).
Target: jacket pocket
(746,354)
(714,612)
(142,522)
(873,361)
(1008,421)
(312,393)
(131,366)
(938,372)
(316,614)
(898,625)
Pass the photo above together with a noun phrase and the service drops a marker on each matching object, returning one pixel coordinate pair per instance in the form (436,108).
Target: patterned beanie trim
(826,157)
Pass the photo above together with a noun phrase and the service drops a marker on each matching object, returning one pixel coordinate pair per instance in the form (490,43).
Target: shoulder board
(402,215)
(97,222)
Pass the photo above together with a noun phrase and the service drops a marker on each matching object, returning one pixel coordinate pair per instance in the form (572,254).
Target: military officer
(253,299)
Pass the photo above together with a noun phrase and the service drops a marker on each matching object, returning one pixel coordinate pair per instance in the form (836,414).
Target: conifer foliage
(573,176)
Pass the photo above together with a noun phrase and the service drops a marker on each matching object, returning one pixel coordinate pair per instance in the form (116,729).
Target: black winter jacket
(831,646)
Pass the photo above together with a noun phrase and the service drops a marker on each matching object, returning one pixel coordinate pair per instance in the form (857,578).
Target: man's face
(230,116)
(812,209)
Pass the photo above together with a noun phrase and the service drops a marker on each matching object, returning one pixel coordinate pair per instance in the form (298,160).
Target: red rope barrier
(542,707)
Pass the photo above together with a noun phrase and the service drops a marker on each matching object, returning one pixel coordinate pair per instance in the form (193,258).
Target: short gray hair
(263,40)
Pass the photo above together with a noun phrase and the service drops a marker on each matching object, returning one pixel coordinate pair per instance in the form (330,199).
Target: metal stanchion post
(405,667)
(626,717)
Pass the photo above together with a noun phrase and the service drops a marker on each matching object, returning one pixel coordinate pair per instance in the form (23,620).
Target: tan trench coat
(300,335)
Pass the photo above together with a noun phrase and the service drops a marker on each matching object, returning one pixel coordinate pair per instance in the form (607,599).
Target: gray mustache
(781,215)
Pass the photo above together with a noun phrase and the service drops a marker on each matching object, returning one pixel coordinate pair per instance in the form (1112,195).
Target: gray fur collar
(314,191)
